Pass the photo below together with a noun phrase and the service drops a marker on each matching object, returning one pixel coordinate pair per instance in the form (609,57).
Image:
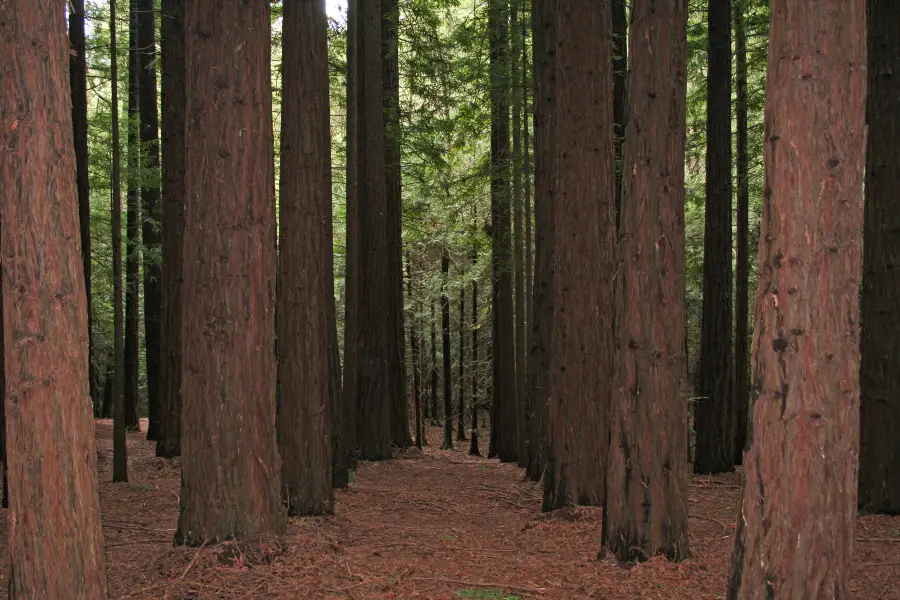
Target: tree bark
(529,260)
(473,446)
(794,538)
(168,444)
(715,414)
(434,369)
(120,447)
(544,48)
(132,227)
(304,264)
(620,72)
(516,91)
(879,457)
(461,405)
(150,210)
(581,346)
(415,351)
(446,354)
(55,535)
(78,85)
(645,513)
(504,412)
(231,470)
(390,18)
(742,304)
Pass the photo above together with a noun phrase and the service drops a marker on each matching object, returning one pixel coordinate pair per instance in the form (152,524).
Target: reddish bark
(645,513)
(231,470)
(133,227)
(55,536)
(581,345)
(796,525)
(304,264)
(879,456)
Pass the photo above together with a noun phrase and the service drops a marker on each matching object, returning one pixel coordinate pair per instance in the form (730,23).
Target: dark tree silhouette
(133,226)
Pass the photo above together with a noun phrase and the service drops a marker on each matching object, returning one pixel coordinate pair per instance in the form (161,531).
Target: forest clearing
(435,525)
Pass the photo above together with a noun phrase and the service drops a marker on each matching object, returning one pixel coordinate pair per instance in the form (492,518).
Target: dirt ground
(438,526)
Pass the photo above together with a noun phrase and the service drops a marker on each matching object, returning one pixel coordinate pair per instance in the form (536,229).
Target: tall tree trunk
(132,226)
(518,242)
(434,369)
(504,411)
(644,512)
(529,252)
(620,73)
(55,536)
(415,351)
(150,210)
(879,456)
(231,470)
(473,447)
(350,379)
(794,538)
(304,260)
(581,346)
(5,502)
(742,306)
(78,85)
(173,198)
(447,357)
(390,18)
(378,284)
(461,405)
(544,48)
(715,415)
(120,448)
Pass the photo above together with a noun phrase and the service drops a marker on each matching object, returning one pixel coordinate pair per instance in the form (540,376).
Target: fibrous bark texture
(304,264)
(581,342)
(879,452)
(173,198)
(795,530)
(55,537)
(231,470)
(715,412)
(646,501)
(504,412)
(620,72)
(133,227)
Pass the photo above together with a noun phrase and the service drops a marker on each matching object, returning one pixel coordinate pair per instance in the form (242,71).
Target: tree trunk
(120,448)
(55,536)
(415,351)
(794,538)
(544,48)
(168,444)
(645,511)
(107,411)
(581,346)
(5,462)
(132,227)
(473,447)
(304,257)
(715,414)
(78,85)
(742,306)
(447,356)
(434,369)
(150,210)
(529,262)
(518,242)
(378,283)
(231,470)
(461,410)
(350,379)
(879,457)
(620,73)
(504,412)
(390,18)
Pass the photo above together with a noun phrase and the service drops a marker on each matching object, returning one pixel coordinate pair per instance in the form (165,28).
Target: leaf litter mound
(435,525)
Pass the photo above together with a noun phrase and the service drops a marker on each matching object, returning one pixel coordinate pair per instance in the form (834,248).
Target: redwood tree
(446,357)
(304,263)
(504,414)
(581,342)
(168,443)
(230,478)
(461,404)
(55,536)
(620,72)
(150,210)
(879,456)
(645,512)
(132,226)
(795,531)
(715,411)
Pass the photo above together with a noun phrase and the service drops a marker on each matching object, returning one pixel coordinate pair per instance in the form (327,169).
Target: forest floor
(436,525)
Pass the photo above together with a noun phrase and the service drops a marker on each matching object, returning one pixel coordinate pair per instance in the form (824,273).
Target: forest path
(436,525)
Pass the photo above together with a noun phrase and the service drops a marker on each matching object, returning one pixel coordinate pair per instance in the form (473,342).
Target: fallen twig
(193,560)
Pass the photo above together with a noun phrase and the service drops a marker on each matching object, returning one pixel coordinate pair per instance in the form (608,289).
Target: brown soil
(436,526)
